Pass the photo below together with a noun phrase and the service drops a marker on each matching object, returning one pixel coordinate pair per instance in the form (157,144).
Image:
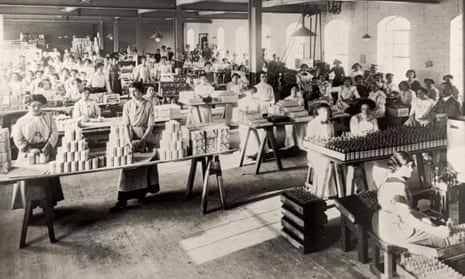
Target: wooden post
(178,33)
(255,38)
(2,36)
(116,35)
(139,34)
(102,36)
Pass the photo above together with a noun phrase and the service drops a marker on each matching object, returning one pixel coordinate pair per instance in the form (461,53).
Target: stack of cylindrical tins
(171,143)
(118,151)
(5,151)
(422,267)
(73,155)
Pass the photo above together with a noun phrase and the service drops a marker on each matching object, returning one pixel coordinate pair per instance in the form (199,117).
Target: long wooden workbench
(210,163)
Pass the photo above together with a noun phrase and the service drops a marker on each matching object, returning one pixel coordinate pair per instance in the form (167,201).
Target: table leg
(350,183)
(189,116)
(339,180)
(274,147)
(260,155)
(362,244)
(345,235)
(48,209)
(219,180)
(191,177)
(199,115)
(204,201)
(244,147)
(26,221)
(388,264)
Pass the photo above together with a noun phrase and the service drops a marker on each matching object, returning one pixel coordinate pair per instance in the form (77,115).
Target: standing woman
(406,95)
(339,73)
(138,116)
(320,128)
(113,76)
(412,80)
(35,133)
(86,109)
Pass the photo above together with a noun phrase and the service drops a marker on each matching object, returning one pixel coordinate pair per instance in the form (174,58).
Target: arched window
(191,38)
(242,41)
(220,38)
(295,46)
(337,42)
(456,52)
(394,46)
(266,41)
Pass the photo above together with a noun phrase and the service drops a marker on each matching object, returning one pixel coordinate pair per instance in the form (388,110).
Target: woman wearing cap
(431,91)
(420,111)
(138,116)
(357,69)
(35,133)
(339,73)
(86,109)
(411,80)
(347,94)
(364,122)
(378,96)
(396,222)
(320,128)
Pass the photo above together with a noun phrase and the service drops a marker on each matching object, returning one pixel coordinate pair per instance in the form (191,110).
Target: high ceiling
(151,10)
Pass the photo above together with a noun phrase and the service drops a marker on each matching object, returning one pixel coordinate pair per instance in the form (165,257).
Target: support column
(101,35)
(139,35)
(463,60)
(255,38)
(115,35)
(178,33)
(2,36)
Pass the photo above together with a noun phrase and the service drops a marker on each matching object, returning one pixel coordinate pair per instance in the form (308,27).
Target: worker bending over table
(35,133)
(138,116)
(321,128)
(86,109)
(396,222)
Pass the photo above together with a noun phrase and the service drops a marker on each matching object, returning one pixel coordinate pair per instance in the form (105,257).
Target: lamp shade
(303,32)
(157,37)
(366,37)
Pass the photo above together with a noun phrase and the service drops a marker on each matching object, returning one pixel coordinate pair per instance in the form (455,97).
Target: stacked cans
(118,151)
(73,155)
(5,151)
(303,220)
(171,143)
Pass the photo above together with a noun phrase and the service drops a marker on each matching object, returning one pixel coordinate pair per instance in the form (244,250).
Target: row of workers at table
(36,132)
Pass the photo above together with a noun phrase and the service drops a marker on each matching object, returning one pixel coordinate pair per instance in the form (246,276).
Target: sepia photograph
(232,139)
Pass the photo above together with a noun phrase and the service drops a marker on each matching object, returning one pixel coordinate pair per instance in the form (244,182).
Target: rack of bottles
(417,266)
(381,144)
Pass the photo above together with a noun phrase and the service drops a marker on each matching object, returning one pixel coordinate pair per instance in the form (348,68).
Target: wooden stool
(361,233)
(48,213)
(387,268)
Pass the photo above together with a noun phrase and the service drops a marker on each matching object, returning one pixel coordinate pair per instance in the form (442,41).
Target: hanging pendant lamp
(303,31)
(367,36)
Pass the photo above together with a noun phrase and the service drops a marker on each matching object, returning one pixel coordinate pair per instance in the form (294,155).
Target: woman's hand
(443,231)
(427,220)
(47,149)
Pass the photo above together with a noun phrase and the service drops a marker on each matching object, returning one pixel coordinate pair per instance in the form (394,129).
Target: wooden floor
(166,237)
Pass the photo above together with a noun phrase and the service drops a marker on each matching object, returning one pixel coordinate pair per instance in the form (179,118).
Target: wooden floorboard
(166,236)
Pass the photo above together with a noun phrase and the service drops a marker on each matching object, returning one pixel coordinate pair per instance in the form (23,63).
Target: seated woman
(320,128)
(421,108)
(98,81)
(406,95)
(138,116)
(364,122)
(203,90)
(378,96)
(396,222)
(357,69)
(347,94)
(362,89)
(413,83)
(86,109)
(35,133)
(325,91)
(45,89)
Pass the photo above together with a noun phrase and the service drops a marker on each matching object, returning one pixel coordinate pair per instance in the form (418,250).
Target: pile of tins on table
(418,266)
(383,143)
(303,220)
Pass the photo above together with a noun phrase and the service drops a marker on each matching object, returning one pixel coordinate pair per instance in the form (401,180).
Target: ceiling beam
(283,3)
(215,6)
(95,4)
